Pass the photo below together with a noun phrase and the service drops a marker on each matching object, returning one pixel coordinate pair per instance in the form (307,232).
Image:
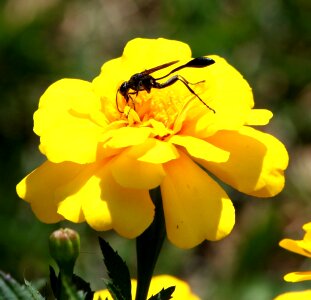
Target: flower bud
(64,247)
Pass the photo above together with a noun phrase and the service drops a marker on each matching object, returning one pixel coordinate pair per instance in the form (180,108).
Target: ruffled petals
(129,212)
(127,136)
(64,122)
(200,149)
(195,206)
(38,188)
(256,164)
(130,172)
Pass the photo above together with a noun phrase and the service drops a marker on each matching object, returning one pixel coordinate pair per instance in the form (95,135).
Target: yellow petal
(75,142)
(159,129)
(130,172)
(297,276)
(159,51)
(259,117)
(129,212)
(71,94)
(127,136)
(256,164)
(155,151)
(64,122)
(195,206)
(195,121)
(307,227)
(300,295)
(39,186)
(295,246)
(200,149)
(71,195)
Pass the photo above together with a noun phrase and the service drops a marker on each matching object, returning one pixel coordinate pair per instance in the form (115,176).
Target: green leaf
(119,283)
(11,289)
(164,294)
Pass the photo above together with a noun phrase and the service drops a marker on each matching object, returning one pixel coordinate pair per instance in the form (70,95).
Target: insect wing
(149,71)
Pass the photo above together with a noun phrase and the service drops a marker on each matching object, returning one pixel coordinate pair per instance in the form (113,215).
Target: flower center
(163,105)
(160,105)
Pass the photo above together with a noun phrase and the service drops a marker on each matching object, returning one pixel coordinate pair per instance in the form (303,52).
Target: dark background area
(267,41)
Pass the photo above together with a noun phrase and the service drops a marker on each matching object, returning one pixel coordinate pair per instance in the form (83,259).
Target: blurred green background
(268,41)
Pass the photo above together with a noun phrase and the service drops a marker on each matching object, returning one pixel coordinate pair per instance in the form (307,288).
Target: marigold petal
(259,117)
(195,121)
(130,172)
(232,96)
(256,164)
(75,142)
(201,149)
(158,53)
(295,246)
(300,295)
(38,188)
(71,209)
(297,276)
(127,136)
(72,194)
(307,226)
(129,212)
(195,207)
(156,152)
(64,122)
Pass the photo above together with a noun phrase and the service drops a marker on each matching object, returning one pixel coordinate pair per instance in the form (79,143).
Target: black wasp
(144,81)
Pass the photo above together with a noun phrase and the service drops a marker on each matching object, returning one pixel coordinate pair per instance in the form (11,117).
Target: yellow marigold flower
(301,295)
(302,247)
(182,290)
(101,162)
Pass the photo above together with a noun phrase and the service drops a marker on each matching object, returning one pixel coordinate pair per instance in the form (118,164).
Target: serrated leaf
(82,285)
(119,284)
(115,293)
(164,294)
(11,289)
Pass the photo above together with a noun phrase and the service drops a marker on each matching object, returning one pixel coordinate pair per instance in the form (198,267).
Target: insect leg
(117,104)
(174,79)
(132,100)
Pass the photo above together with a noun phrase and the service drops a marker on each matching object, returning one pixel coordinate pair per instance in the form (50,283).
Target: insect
(144,81)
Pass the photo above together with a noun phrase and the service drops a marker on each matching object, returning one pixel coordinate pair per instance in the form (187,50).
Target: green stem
(148,246)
